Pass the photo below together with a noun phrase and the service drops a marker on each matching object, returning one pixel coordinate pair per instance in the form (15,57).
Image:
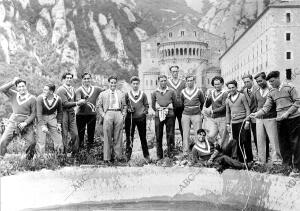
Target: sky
(195,4)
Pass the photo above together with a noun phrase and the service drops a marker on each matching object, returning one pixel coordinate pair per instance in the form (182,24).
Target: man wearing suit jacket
(249,91)
(112,107)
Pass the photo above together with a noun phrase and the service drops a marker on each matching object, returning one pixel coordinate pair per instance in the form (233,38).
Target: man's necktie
(113,99)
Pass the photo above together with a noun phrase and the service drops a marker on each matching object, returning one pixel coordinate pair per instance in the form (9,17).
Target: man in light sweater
(216,99)
(137,110)
(287,101)
(49,116)
(178,85)
(22,119)
(192,99)
(67,94)
(266,125)
(86,114)
(237,119)
(163,101)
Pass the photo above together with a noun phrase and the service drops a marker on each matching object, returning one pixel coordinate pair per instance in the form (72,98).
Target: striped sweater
(139,103)
(192,102)
(178,87)
(237,110)
(43,107)
(204,148)
(91,95)
(218,103)
(23,105)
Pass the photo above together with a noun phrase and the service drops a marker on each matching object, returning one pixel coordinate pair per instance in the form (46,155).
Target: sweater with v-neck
(192,102)
(237,110)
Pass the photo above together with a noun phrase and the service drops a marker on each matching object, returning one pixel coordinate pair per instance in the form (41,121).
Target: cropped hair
(201,131)
(190,76)
(51,87)
(261,74)
(84,74)
(20,81)
(247,76)
(217,78)
(174,66)
(273,74)
(232,82)
(161,76)
(134,78)
(65,75)
(112,77)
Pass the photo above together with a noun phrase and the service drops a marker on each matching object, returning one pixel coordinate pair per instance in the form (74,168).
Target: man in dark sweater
(216,99)
(163,101)
(287,101)
(86,113)
(178,85)
(137,109)
(192,99)
(49,116)
(22,119)
(248,91)
(266,125)
(67,94)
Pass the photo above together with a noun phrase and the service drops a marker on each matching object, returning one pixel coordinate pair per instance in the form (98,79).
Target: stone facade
(271,43)
(194,50)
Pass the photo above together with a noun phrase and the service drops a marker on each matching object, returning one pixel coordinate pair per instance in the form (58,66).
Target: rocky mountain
(103,36)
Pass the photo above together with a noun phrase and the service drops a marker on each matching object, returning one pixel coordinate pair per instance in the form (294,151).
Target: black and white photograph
(153,105)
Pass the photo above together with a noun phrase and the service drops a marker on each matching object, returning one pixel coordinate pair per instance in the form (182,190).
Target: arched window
(151,83)
(172,52)
(190,51)
(168,52)
(193,51)
(177,51)
(185,51)
(197,51)
(181,51)
(146,82)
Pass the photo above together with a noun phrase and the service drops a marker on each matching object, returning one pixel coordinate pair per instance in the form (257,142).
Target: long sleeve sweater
(43,107)
(67,96)
(178,87)
(26,106)
(193,102)
(163,100)
(261,100)
(139,103)
(218,103)
(238,110)
(286,99)
(91,96)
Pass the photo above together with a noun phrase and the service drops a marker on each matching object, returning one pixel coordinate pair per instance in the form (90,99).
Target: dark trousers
(228,162)
(131,123)
(289,141)
(69,126)
(178,115)
(170,129)
(243,139)
(253,129)
(88,121)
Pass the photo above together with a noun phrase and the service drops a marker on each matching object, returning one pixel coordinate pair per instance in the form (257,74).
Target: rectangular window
(195,33)
(170,34)
(288,73)
(287,36)
(288,17)
(182,33)
(288,55)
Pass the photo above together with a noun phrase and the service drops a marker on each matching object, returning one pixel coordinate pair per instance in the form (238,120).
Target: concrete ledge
(75,185)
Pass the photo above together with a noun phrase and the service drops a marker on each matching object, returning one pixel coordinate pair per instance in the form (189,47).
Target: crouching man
(49,116)
(22,119)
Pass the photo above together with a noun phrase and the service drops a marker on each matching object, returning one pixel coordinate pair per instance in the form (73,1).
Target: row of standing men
(273,108)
